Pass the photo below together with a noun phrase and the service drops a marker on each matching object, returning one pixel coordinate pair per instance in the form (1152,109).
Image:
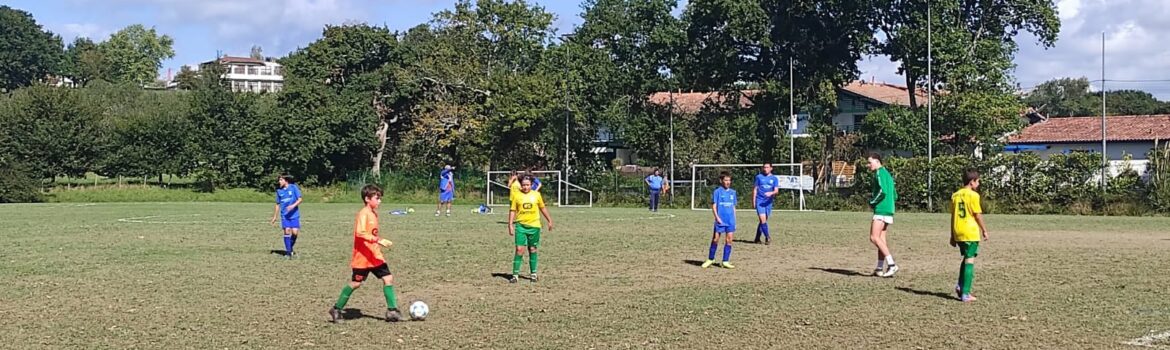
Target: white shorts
(889,220)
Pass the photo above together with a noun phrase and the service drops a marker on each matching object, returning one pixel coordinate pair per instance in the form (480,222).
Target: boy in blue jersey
(767,185)
(723,207)
(288,210)
(654,182)
(446,189)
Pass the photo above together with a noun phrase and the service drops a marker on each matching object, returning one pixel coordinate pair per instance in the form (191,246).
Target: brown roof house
(1130,136)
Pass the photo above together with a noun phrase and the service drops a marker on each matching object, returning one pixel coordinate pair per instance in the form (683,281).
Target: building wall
(1115,150)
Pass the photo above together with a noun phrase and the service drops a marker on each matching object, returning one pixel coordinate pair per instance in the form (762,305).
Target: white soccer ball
(419,310)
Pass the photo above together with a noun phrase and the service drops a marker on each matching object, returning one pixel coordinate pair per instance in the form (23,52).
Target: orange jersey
(366,251)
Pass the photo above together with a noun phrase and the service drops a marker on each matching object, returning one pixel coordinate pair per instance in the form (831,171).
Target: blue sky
(1134,29)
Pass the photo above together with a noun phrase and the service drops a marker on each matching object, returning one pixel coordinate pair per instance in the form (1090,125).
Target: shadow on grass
(694,262)
(926,293)
(842,272)
(353,314)
(508,276)
(280,252)
(744,241)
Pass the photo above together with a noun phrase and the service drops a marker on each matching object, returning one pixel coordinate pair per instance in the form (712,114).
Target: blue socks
(294,241)
(726,252)
(714,248)
(764,229)
(288,245)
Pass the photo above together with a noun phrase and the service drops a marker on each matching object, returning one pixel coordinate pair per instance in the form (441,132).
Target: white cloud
(93,31)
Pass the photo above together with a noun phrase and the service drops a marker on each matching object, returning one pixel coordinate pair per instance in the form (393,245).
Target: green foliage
(894,128)
(53,131)
(17,184)
(1068,97)
(135,53)
(28,54)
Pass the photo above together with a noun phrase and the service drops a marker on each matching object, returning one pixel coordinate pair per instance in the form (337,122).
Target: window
(237,69)
(253,71)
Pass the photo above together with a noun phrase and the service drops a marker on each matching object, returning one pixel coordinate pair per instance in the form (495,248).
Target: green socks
(532,257)
(391,299)
(344,298)
(517,260)
(968,273)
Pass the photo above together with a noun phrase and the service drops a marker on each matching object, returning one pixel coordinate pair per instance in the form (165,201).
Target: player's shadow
(508,276)
(353,314)
(842,272)
(744,241)
(926,293)
(280,252)
(694,262)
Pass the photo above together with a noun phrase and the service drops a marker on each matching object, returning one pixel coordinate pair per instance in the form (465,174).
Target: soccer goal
(553,185)
(705,177)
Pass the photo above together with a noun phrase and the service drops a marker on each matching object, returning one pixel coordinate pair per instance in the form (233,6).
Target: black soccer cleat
(392,315)
(335,315)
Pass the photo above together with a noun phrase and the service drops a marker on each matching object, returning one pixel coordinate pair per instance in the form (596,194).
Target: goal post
(705,177)
(567,194)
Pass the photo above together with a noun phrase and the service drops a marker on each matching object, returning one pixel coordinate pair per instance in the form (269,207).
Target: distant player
(524,224)
(723,207)
(446,189)
(884,196)
(288,210)
(367,257)
(966,230)
(654,182)
(513,184)
(767,185)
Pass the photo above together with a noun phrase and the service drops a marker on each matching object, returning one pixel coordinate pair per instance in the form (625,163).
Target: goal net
(554,188)
(794,185)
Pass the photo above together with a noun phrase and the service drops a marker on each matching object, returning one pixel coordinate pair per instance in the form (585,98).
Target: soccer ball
(409,210)
(419,310)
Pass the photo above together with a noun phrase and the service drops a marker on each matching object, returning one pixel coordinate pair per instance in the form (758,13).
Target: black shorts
(359,275)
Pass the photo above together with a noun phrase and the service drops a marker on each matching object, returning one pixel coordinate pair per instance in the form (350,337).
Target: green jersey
(884,193)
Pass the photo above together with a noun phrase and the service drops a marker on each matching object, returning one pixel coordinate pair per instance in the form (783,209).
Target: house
(1129,136)
(246,74)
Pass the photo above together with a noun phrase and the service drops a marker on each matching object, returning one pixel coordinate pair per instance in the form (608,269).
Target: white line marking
(1149,340)
(667,216)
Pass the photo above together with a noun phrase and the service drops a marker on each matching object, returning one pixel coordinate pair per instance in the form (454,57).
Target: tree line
(492,84)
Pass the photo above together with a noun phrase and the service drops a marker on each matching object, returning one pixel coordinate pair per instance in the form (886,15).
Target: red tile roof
(231,59)
(889,94)
(693,102)
(1088,129)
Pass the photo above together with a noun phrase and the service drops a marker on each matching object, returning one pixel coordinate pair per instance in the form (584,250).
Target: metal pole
(565,176)
(791,117)
(1104,149)
(929,114)
(672,178)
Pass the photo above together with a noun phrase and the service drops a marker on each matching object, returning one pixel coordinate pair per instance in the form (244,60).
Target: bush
(17,185)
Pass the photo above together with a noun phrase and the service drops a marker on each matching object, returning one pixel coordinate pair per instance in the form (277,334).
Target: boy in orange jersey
(367,257)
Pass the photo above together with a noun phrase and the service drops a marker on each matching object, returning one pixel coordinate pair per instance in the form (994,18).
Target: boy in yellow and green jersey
(524,224)
(967,229)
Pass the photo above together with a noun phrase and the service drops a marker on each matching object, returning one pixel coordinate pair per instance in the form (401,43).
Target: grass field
(202,275)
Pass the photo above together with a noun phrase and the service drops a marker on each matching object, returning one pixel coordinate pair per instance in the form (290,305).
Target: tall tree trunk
(911,88)
(381,134)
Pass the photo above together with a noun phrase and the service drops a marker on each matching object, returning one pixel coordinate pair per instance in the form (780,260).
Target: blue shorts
(764,209)
(724,228)
(447,196)
(290,223)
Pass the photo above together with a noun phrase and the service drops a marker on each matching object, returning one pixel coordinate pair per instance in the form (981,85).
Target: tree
(53,131)
(894,128)
(27,53)
(229,138)
(974,41)
(257,52)
(135,54)
(186,78)
(1068,97)
(970,120)
(84,62)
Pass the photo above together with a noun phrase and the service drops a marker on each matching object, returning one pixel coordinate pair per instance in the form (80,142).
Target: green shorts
(969,249)
(527,236)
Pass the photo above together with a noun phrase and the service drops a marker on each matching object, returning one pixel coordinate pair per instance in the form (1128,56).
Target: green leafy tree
(229,139)
(894,128)
(55,132)
(28,53)
(1068,97)
(135,53)
(186,78)
(84,62)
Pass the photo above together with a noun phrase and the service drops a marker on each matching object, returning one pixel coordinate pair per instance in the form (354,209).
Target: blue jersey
(536,183)
(286,197)
(446,177)
(655,182)
(724,200)
(765,184)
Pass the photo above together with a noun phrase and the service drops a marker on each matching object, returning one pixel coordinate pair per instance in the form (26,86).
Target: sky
(1133,30)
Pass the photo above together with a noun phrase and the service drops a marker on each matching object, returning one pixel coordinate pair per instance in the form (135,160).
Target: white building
(246,74)
(1128,139)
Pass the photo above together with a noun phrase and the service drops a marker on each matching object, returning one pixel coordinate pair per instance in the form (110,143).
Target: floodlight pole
(671,142)
(791,116)
(565,65)
(929,113)
(1104,156)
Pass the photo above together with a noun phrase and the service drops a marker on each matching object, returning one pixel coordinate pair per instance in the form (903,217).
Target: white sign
(798,125)
(788,182)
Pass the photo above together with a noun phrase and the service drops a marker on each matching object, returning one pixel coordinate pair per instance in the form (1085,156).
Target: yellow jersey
(527,207)
(964,205)
(513,190)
